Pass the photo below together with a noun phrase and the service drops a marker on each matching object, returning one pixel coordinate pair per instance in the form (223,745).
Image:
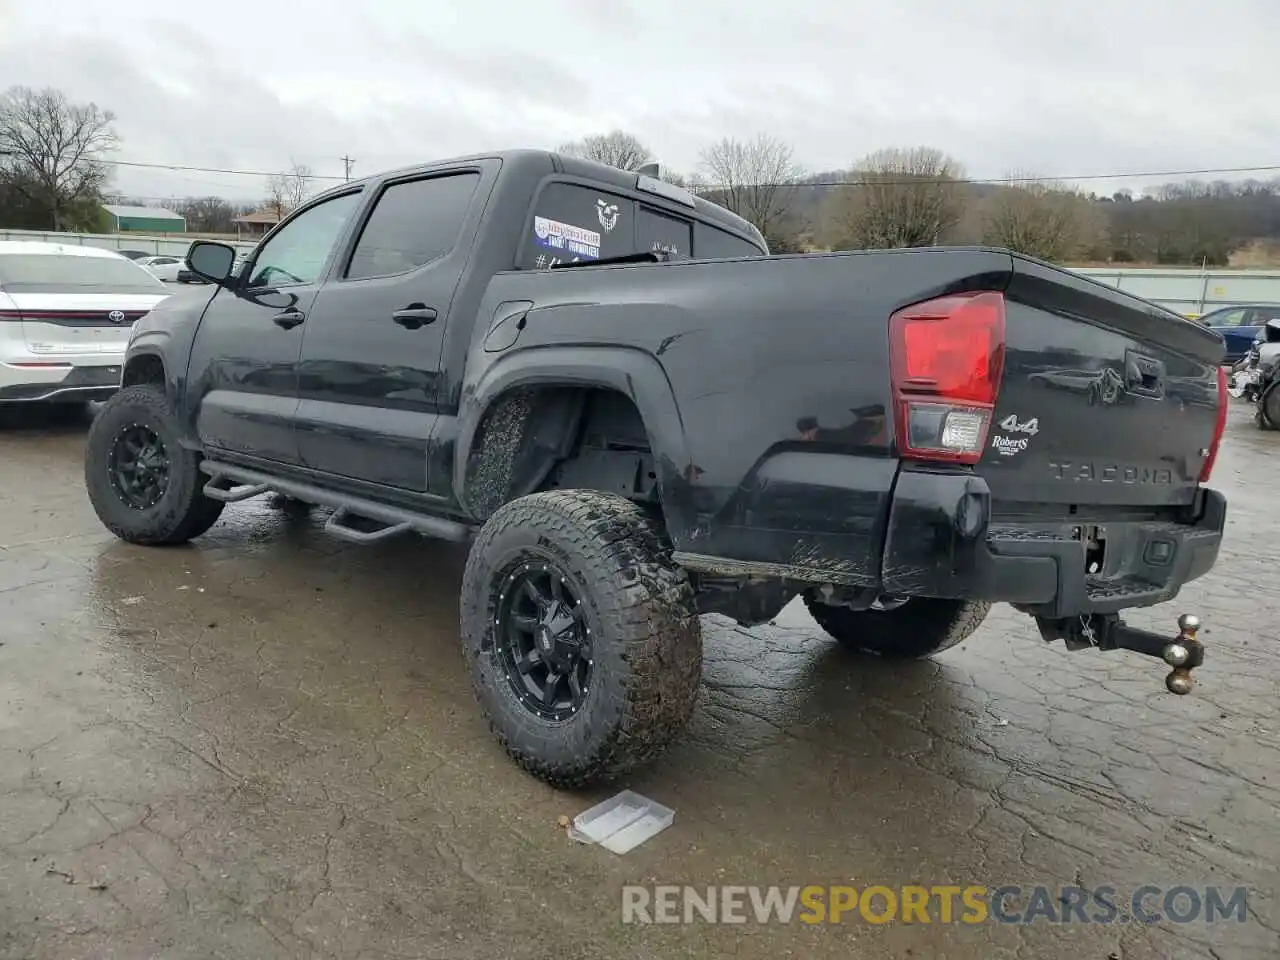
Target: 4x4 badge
(1011,424)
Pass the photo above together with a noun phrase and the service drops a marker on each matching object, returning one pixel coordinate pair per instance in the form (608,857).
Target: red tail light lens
(1219,427)
(946,357)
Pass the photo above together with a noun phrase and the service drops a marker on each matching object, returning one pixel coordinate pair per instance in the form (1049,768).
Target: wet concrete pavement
(264,745)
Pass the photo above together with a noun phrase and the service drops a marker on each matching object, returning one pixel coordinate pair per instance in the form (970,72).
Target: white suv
(65,316)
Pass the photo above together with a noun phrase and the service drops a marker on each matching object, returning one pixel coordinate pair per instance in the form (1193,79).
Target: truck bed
(784,458)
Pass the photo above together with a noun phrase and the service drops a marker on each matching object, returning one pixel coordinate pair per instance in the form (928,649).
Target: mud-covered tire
(1267,416)
(639,607)
(920,627)
(183,511)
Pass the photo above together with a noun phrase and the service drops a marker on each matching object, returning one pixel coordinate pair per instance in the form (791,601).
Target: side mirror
(212,261)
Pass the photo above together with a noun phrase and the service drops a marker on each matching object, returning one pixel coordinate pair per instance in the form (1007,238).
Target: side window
(573,222)
(1228,318)
(1263,315)
(412,223)
(299,251)
(656,231)
(711,244)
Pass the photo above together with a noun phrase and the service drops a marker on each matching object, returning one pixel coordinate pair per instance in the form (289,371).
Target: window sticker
(607,213)
(555,235)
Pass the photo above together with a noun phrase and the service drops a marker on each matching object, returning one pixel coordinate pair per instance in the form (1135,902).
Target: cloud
(1080,88)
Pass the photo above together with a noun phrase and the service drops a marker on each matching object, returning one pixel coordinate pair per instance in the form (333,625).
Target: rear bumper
(941,542)
(97,381)
(871,524)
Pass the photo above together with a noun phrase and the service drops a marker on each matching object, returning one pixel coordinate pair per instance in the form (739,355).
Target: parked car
(636,415)
(65,316)
(1240,326)
(186,275)
(163,267)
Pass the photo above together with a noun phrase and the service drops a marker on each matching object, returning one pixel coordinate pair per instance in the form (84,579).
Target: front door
(369,377)
(242,381)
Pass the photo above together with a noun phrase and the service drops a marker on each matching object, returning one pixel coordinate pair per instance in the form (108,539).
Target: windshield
(68,273)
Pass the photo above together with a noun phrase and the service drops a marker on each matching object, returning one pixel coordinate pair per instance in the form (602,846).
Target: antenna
(649,170)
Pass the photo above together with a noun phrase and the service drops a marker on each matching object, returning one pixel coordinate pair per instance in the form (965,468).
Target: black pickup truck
(637,415)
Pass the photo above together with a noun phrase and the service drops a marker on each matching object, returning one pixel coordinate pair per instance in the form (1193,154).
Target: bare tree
(208,215)
(51,152)
(286,190)
(902,198)
(616,148)
(1042,219)
(756,179)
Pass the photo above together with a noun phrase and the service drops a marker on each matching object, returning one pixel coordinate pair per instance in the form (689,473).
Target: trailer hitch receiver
(1106,631)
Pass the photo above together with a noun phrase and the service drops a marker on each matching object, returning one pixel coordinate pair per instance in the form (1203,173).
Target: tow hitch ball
(1105,631)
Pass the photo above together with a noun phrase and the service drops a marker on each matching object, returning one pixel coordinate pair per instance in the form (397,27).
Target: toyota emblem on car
(116,316)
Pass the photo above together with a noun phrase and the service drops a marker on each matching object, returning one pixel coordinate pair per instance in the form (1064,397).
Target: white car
(65,317)
(163,267)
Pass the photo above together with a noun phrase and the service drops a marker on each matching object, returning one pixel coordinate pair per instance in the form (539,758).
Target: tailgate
(1106,400)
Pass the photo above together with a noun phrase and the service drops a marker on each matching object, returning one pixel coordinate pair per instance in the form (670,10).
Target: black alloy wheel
(543,641)
(139,467)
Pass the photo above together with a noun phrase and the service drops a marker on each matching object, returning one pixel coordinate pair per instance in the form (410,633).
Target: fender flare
(633,372)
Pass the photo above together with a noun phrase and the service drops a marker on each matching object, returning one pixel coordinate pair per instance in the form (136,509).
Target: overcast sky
(1054,87)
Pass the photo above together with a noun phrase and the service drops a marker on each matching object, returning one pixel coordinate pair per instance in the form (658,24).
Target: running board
(217,489)
(338,525)
(231,484)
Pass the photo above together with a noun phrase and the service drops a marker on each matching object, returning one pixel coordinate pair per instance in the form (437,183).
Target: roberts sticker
(555,235)
(1008,446)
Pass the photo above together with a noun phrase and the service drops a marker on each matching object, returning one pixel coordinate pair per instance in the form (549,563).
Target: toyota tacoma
(635,415)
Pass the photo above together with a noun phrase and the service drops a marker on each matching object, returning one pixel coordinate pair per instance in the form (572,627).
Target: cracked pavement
(264,745)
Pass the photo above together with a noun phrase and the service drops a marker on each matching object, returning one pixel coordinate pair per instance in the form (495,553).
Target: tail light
(946,357)
(1219,427)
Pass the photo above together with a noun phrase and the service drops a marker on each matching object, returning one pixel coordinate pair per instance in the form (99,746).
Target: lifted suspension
(1106,631)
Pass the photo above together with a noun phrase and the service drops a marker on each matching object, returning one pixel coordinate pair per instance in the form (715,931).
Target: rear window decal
(607,213)
(555,235)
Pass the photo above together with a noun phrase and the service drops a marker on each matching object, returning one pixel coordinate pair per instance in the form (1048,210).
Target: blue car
(1239,325)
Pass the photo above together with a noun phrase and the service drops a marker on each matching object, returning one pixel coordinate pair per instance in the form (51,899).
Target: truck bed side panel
(779,369)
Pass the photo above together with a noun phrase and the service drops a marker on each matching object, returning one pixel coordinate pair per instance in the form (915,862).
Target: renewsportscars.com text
(971,904)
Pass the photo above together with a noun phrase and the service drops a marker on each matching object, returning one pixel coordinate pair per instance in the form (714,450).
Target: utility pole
(347,164)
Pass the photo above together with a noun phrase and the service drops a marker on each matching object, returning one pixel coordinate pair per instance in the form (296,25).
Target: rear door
(77,307)
(1106,401)
(370,375)
(1232,324)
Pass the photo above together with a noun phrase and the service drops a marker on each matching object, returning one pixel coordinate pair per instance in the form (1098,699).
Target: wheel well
(559,437)
(147,368)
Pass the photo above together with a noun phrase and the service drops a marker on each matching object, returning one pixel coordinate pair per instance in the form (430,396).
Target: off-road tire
(183,512)
(1267,416)
(921,627)
(639,607)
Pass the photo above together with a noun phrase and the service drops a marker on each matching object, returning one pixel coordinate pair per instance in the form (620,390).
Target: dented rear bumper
(942,541)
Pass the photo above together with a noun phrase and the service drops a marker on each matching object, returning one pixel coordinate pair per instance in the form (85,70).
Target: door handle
(288,319)
(414,316)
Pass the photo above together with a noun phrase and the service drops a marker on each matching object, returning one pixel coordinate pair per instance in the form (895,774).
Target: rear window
(63,273)
(712,244)
(573,222)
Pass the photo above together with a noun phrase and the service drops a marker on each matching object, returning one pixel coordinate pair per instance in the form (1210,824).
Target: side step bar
(231,484)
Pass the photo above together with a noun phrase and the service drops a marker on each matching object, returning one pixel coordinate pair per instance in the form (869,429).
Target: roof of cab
(64,249)
(576,167)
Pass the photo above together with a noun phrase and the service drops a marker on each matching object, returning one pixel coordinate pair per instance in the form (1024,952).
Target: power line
(181,168)
(1144,175)
(1124,175)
